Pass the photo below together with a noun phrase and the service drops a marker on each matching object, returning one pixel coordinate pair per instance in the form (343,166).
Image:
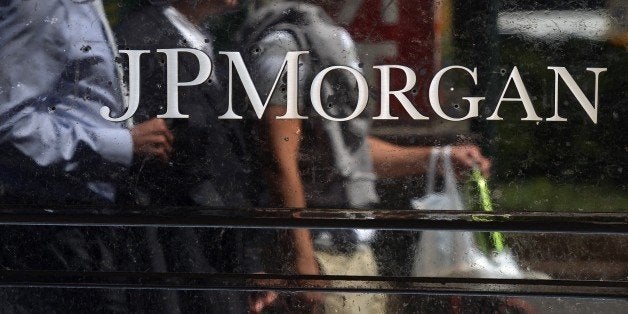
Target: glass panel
(441,156)
(292,302)
(529,92)
(387,253)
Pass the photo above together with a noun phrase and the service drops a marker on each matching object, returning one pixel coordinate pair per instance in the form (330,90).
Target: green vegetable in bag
(479,197)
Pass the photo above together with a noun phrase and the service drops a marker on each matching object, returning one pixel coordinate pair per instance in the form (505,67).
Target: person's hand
(262,300)
(152,138)
(464,157)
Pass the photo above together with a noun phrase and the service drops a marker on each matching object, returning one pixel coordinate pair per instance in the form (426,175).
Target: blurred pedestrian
(317,162)
(209,165)
(57,71)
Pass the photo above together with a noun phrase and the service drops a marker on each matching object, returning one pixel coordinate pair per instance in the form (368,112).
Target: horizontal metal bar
(308,218)
(286,283)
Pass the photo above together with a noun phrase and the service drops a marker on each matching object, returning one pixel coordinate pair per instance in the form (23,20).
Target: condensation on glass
(318,156)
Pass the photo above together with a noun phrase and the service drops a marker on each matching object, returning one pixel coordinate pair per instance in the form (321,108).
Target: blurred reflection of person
(208,168)
(321,163)
(57,70)
(50,122)
(207,165)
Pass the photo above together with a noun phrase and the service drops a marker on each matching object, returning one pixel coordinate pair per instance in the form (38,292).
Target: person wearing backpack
(318,162)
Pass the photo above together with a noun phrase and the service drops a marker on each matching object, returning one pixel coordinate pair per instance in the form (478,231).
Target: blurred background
(550,167)
(572,166)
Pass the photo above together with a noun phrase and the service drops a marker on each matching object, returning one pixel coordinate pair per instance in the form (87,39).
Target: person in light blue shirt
(57,69)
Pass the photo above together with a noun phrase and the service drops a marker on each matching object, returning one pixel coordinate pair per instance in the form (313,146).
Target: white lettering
(134,87)
(590,109)
(386,93)
(172,79)
(435,100)
(292,62)
(525,98)
(315,93)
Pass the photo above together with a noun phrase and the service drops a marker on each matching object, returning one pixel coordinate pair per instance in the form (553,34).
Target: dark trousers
(57,249)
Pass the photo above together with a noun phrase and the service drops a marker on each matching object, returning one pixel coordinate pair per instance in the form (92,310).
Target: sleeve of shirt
(266,58)
(40,117)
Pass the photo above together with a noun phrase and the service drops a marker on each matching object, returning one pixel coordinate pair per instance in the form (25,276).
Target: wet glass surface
(431,156)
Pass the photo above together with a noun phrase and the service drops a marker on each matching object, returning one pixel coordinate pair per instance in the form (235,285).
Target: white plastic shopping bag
(456,253)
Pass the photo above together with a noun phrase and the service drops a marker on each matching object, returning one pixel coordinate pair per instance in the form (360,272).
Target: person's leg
(360,262)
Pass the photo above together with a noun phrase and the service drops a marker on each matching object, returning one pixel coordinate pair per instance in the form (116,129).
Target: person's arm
(282,140)
(45,120)
(393,161)
(282,143)
(284,137)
